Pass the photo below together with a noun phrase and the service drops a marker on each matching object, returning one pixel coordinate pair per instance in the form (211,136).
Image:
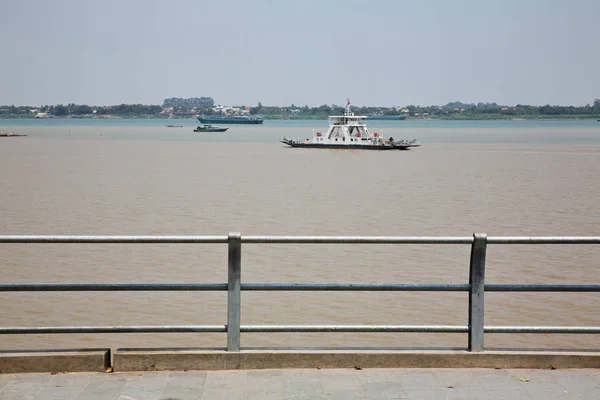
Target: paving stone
(301,390)
(100,394)
(224,385)
(474,383)
(185,385)
(431,394)
(499,385)
(347,395)
(510,394)
(301,384)
(534,375)
(188,385)
(147,380)
(147,385)
(578,385)
(65,386)
(307,384)
(302,375)
(107,381)
(4,379)
(385,390)
(379,375)
(470,392)
(265,372)
(103,386)
(418,380)
(577,378)
(593,373)
(24,386)
(341,380)
(549,391)
(264,384)
(182,394)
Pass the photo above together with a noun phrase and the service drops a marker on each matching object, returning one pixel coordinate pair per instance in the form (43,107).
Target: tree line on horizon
(204,106)
(191,102)
(61,110)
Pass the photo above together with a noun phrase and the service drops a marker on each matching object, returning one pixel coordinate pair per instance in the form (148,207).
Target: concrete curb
(57,360)
(190,359)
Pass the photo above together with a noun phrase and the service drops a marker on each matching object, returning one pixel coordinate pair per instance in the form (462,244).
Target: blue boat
(230,120)
(387,117)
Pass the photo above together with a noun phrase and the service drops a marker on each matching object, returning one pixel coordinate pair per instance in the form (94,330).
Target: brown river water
(136,179)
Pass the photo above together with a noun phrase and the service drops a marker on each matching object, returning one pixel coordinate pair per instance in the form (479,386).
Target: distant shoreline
(175,108)
(320,118)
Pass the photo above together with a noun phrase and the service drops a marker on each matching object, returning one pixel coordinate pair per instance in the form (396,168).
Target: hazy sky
(303,52)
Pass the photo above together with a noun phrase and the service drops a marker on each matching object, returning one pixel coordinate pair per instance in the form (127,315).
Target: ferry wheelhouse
(350,131)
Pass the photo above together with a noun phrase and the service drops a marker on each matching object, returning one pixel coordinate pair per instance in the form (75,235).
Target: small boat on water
(11,134)
(211,128)
(349,131)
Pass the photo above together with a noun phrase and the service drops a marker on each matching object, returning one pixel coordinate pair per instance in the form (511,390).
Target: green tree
(81,109)
(256,110)
(60,110)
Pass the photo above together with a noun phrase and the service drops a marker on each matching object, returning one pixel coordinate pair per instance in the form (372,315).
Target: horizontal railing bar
(542,329)
(18,330)
(300,239)
(243,328)
(103,287)
(355,328)
(355,287)
(357,240)
(543,239)
(541,288)
(458,287)
(110,239)
(298,328)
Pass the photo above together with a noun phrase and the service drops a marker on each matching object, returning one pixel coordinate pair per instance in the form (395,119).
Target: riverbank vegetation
(185,108)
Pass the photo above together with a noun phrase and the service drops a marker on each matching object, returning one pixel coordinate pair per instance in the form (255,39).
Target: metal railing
(476,286)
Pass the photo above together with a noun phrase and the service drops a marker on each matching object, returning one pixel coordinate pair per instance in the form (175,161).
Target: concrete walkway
(307,384)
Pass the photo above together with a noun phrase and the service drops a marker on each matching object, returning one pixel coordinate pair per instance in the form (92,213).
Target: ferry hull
(345,146)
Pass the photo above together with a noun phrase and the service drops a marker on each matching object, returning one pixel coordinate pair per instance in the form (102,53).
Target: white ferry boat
(350,131)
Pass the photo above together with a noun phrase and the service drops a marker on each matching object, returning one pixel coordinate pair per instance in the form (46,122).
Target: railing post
(234,272)
(476,293)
